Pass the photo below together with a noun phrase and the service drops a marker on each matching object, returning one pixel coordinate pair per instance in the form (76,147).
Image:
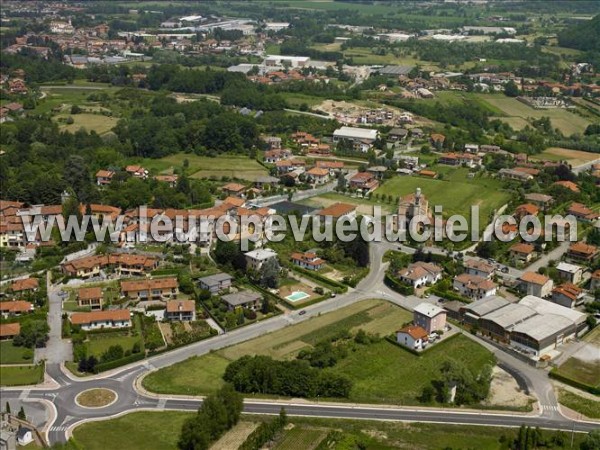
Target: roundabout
(96,398)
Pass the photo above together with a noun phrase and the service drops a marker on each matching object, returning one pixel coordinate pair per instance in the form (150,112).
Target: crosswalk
(549,408)
(61,428)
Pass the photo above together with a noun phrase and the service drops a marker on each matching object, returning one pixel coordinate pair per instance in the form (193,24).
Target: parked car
(301,313)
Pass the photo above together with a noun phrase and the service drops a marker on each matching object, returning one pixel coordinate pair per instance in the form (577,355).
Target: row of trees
(265,375)
(218,413)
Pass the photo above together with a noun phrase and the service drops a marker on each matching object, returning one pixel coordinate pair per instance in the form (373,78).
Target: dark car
(301,313)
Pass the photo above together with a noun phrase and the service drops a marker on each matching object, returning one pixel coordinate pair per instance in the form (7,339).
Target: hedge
(571,382)
(321,279)
(397,286)
(102,367)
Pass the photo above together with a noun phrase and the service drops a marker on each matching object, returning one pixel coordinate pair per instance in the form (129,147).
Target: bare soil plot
(96,398)
(573,157)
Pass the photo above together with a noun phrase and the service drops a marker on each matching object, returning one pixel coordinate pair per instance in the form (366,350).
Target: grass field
(205,167)
(564,120)
(140,430)
(587,372)
(99,343)
(90,122)
(585,406)
(455,193)
(375,369)
(573,157)
(154,430)
(593,337)
(21,375)
(9,354)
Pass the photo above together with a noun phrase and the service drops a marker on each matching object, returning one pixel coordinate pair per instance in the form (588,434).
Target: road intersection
(59,395)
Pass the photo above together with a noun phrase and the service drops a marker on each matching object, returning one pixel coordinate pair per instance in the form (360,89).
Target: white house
(363,138)
(412,336)
(474,287)
(95,320)
(24,436)
(420,273)
(570,272)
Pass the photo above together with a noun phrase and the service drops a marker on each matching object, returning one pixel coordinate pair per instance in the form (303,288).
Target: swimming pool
(296,296)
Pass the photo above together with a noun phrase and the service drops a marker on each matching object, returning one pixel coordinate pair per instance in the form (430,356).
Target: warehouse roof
(486,305)
(544,307)
(510,315)
(541,327)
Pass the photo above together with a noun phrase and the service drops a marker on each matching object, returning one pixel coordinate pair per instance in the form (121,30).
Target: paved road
(123,380)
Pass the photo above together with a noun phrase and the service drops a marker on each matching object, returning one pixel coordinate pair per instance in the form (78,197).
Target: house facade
(532,283)
(429,317)
(102,319)
(412,336)
(181,310)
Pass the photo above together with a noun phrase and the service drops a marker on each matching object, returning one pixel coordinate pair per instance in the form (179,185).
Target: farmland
(374,368)
(564,120)
(573,157)
(231,166)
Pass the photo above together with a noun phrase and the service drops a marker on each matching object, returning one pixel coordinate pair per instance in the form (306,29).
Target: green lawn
(21,375)
(99,343)
(205,167)
(375,369)
(385,373)
(583,371)
(455,192)
(140,430)
(585,406)
(90,122)
(9,354)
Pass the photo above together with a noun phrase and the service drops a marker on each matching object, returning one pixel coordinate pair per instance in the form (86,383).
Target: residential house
(171,180)
(437,140)
(582,252)
(307,260)
(567,295)
(25,285)
(412,336)
(234,189)
(265,182)
(397,134)
(137,171)
(567,185)
(522,252)
(474,287)
(276,155)
(318,175)
(582,212)
(338,210)
(571,273)
(9,331)
(420,273)
(430,317)
(290,165)
(256,258)
(123,265)
(479,268)
(273,142)
(526,209)
(149,289)
(90,297)
(512,174)
(104,177)
(532,283)
(364,181)
(15,308)
(12,235)
(540,200)
(215,283)
(118,318)
(244,299)
(24,436)
(457,159)
(332,166)
(181,310)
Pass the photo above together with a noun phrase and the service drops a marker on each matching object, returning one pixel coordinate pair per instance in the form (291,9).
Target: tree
(511,89)
(21,415)
(282,417)
(592,441)
(269,273)
(7,408)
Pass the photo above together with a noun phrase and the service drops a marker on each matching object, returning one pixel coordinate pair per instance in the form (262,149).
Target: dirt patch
(235,437)
(505,391)
(96,398)
(166,331)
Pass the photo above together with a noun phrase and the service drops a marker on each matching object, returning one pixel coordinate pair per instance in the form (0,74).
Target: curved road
(66,414)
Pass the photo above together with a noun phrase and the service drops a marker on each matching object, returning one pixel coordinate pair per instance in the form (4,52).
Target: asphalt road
(66,413)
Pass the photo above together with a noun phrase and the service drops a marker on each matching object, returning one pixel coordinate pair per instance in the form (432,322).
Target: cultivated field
(375,369)
(573,157)
(564,120)
(235,437)
(205,167)
(302,438)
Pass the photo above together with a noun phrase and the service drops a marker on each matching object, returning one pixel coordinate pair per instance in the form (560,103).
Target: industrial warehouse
(533,326)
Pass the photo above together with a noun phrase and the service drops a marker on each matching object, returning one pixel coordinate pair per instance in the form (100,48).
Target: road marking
(59,428)
(161,403)
(23,395)
(549,408)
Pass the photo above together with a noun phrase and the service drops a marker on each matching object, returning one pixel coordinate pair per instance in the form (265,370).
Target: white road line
(24,394)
